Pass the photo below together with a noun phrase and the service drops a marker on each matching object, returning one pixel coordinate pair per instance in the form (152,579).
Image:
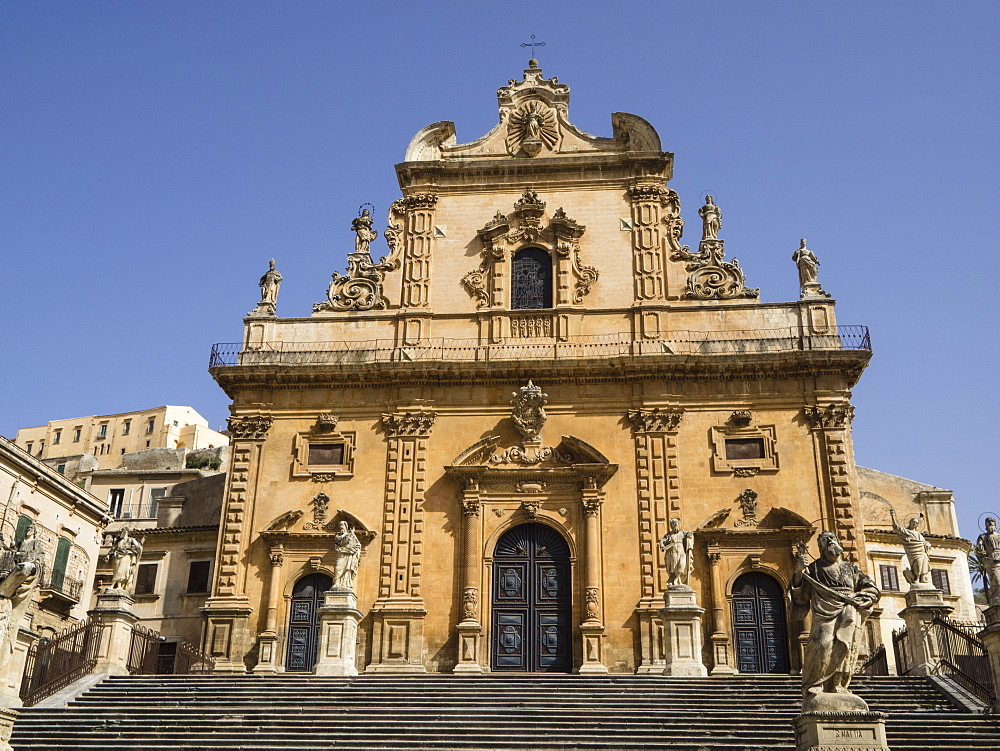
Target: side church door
(303,622)
(759,624)
(531,601)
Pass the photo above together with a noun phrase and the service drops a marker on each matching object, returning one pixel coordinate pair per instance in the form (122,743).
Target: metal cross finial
(533,44)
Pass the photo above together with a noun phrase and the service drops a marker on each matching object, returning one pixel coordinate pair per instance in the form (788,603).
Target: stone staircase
(509,712)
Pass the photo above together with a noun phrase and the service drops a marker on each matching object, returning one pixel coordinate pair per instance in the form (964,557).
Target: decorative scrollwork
(711,278)
(831,416)
(409,423)
(251,427)
(655,420)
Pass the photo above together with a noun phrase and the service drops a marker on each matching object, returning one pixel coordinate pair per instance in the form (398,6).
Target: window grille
(890,578)
(531,280)
(940,579)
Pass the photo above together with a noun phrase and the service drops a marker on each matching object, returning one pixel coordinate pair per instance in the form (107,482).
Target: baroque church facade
(511,406)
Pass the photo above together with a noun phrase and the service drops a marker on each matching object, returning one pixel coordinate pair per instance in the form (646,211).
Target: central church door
(303,622)
(531,601)
(759,623)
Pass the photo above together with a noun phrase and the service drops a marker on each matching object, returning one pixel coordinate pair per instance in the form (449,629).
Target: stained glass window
(531,283)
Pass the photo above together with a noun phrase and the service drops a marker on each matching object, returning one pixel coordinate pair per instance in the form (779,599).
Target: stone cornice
(888,537)
(846,364)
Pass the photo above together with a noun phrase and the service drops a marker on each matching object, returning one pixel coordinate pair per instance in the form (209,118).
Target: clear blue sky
(154,155)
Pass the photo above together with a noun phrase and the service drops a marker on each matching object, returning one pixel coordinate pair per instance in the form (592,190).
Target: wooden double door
(531,602)
(303,622)
(759,624)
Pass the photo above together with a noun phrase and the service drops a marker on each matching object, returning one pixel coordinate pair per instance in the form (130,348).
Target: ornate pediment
(534,124)
(289,527)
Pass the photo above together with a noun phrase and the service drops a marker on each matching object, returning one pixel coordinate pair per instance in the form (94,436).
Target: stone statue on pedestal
(678,554)
(347,547)
(364,233)
(917,552)
(21,573)
(841,598)
(988,546)
(124,557)
(808,266)
(270,283)
(711,219)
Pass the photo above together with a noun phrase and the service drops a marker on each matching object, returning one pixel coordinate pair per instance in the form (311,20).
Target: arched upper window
(531,280)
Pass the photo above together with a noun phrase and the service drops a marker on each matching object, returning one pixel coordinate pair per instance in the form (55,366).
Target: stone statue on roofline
(269,285)
(678,554)
(917,551)
(711,219)
(364,233)
(841,597)
(808,266)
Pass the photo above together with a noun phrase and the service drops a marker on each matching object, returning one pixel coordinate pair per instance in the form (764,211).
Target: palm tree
(977,570)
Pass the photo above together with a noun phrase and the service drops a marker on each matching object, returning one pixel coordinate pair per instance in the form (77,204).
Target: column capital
(655,420)
(832,416)
(249,427)
(592,506)
(415,423)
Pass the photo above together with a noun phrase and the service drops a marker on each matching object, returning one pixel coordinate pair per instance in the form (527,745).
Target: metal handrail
(53,664)
(963,657)
(745,341)
(877,664)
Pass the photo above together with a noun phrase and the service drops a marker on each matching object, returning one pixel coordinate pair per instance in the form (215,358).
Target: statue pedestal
(114,619)
(469,638)
(812,291)
(338,633)
(922,604)
(991,640)
(681,632)
(7,719)
(828,731)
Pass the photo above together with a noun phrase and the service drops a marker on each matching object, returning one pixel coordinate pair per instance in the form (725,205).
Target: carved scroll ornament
(710,277)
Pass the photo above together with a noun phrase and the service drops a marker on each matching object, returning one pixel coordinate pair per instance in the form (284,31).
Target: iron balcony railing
(66,585)
(749,341)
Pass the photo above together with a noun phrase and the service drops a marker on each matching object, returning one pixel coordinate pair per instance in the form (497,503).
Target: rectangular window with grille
(939,577)
(198,576)
(890,578)
(326,454)
(145,579)
(744,448)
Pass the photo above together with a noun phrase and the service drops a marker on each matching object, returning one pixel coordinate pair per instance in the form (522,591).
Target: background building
(66,444)
(69,524)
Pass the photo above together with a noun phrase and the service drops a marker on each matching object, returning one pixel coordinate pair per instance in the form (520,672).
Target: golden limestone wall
(652,356)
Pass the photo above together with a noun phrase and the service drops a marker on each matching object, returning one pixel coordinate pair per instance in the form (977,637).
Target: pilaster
(658,494)
(417,215)
(226,633)
(398,612)
(656,229)
(831,431)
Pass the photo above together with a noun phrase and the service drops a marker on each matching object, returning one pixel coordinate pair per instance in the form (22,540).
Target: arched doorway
(303,623)
(759,624)
(531,601)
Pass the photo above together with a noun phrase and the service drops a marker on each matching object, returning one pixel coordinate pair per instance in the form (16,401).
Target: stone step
(505,713)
